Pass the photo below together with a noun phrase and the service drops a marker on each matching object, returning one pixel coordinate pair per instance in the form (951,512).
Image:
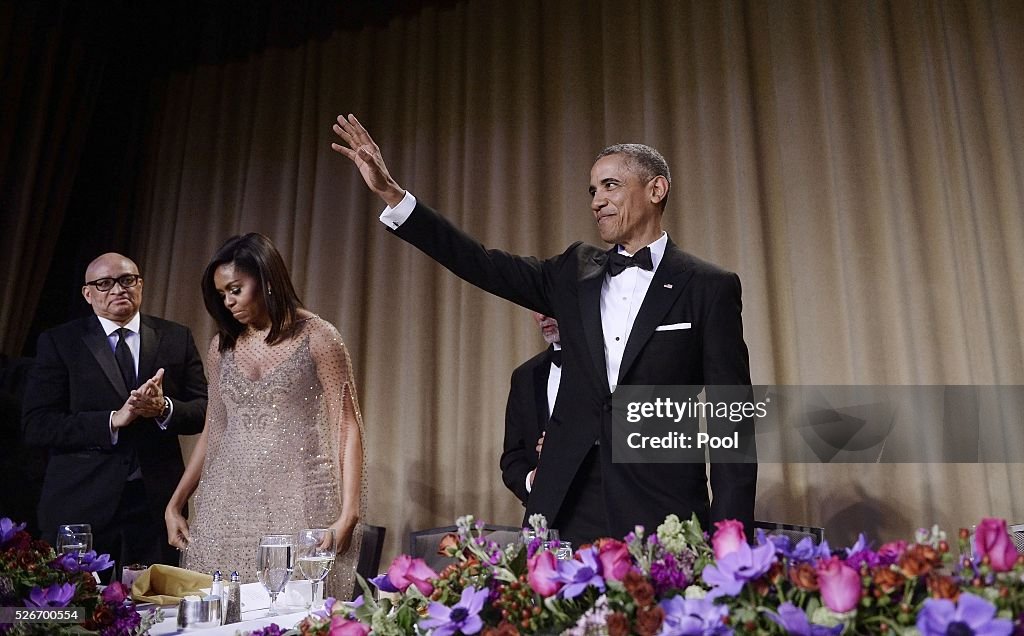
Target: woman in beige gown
(282,448)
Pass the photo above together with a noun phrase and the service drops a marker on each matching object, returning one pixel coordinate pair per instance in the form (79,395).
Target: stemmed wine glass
(315,548)
(274,564)
(74,538)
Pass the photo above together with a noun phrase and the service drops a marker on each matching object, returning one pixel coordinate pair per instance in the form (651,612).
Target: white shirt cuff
(163,423)
(113,431)
(393,217)
(529,484)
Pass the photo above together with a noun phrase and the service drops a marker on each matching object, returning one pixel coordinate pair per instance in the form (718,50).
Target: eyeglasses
(124,280)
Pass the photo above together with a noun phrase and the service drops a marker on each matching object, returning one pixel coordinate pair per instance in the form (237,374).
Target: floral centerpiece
(679,580)
(34,576)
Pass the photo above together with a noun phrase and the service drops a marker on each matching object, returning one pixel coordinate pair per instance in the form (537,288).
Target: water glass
(563,552)
(74,538)
(274,564)
(315,553)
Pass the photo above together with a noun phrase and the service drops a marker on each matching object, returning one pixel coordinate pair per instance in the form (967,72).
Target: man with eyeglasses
(108,396)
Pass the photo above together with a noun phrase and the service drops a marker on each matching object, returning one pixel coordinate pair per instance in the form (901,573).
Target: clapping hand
(148,399)
(364,152)
(145,401)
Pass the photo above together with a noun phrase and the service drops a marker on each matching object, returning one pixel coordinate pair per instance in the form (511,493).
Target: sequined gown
(278,422)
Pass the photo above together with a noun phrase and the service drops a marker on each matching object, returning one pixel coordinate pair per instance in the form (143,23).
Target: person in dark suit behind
(531,398)
(641,313)
(108,396)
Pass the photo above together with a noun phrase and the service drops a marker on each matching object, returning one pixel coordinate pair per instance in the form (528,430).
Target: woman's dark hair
(255,255)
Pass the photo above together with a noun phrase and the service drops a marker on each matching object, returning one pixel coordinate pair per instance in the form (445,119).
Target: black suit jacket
(72,389)
(526,416)
(568,287)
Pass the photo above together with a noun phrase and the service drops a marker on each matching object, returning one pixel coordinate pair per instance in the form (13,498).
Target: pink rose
(614,558)
(541,569)
(406,571)
(728,537)
(341,626)
(839,584)
(993,541)
(115,593)
(891,552)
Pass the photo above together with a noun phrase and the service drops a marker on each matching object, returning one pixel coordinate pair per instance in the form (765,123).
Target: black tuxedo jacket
(526,416)
(568,287)
(70,392)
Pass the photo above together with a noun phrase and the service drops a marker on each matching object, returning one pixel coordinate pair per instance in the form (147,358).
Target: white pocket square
(673,327)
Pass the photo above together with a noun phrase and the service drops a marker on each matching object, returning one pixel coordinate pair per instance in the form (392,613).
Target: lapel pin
(668,285)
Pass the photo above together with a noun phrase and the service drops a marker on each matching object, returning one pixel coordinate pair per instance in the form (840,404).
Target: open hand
(363,151)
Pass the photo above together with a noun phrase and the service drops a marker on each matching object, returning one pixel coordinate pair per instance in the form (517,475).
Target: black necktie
(618,263)
(556,358)
(125,361)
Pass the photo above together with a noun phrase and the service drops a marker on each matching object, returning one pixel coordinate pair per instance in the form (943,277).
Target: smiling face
(242,295)
(626,208)
(118,304)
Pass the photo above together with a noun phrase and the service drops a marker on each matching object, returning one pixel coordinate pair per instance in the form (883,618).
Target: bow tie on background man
(556,358)
(618,263)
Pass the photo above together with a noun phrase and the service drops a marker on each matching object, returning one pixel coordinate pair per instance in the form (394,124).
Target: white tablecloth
(250,621)
(255,601)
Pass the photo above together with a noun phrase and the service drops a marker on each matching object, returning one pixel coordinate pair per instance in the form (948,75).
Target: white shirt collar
(109,326)
(657,249)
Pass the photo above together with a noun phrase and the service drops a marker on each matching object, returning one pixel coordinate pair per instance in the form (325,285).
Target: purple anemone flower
(57,595)
(970,615)
(729,574)
(464,617)
(697,617)
(383,583)
(67,562)
(8,530)
(579,575)
(793,619)
(93,563)
(860,553)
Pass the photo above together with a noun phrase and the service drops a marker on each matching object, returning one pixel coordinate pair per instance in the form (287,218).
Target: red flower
(115,593)
(341,626)
(541,570)
(840,585)
(728,537)
(993,541)
(614,558)
(406,571)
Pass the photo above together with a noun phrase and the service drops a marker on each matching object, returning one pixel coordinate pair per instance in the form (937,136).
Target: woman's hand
(343,528)
(177,528)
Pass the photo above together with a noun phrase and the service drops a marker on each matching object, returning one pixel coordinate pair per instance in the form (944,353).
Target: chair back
(370,552)
(794,532)
(1017,536)
(424,544)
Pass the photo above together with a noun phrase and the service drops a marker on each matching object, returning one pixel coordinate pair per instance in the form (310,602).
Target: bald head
(119,303)
(111,261)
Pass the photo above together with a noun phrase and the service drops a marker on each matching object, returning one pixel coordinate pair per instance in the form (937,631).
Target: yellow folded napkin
(166,584)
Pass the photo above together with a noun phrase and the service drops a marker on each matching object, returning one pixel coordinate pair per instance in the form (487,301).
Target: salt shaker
(233,607)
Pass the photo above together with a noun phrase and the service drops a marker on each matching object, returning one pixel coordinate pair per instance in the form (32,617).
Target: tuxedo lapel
(669,280)
(591,279)
(148,346)
(97,343)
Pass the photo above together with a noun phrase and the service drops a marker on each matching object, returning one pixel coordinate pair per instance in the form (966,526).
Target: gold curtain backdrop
(860,165)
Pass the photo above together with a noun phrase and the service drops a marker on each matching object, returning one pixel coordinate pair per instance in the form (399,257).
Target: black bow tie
(556,358)
(618,263)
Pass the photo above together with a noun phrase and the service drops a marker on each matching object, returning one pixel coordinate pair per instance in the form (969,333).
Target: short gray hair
(644,161)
